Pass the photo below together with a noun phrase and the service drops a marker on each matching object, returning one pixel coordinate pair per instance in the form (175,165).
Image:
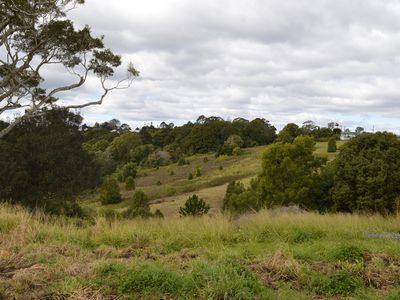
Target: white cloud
(283,60)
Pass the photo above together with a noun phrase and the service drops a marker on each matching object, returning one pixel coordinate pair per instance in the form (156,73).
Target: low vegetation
(272,254)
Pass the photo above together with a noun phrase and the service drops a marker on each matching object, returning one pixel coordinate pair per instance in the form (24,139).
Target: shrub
(289,173)
(182,161)
(237,151)
(238,200)
(130,183)
(332,144)
(340,283)
(190,176)
(140,206)
(158,214)
(171,173)
(367,174)
(129,169)
(205,159)
(350,253)
(198,172)
(109,192)
(158,182)
(221,168)
(194,206)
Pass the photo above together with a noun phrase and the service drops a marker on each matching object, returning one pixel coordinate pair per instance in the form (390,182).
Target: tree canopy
(367,174)
(42,160)
(36,34)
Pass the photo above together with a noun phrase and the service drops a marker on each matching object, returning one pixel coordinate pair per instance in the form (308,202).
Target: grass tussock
(265,255)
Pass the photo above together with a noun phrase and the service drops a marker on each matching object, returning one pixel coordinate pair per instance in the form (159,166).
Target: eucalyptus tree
(36,36)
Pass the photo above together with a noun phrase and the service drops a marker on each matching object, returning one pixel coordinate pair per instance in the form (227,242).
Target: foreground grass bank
(270,255)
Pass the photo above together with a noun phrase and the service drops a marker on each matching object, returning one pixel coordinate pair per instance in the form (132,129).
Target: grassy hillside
(168,187)
(270,255)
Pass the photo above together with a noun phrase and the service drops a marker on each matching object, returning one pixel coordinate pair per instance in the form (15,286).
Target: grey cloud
(283,60)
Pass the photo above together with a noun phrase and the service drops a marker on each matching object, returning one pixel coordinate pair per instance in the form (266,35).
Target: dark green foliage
(288,133)
(146,281)
(350,253)
(158,182)
(130,183)
(238,200)
(340,283)
(232,143)
(42,161)
(158,214)
(194,206)
(182,161)
(198,172)
(367,174)
(221,168)
(190,176)
(171,173)
(129,170)
(332,144)
(290,173)
(109,192)
(259,131)
(140,206)
(122,146)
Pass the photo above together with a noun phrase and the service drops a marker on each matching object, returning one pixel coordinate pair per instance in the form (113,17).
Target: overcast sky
(286,61)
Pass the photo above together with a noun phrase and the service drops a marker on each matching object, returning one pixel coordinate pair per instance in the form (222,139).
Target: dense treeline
(114,144)
(48,160)
(364,177)
(42,163)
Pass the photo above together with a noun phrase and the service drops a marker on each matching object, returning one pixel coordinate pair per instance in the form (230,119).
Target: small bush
(350,253)
(190,176)
(238,200)
(182,161)
(332,145)
(221,168)
(158,182)
(237,151)
(340,283)
(130,183)
(205,159)
(158,214)
(171,173)
(198,172)
(109,192)
(194,206)
(140,206)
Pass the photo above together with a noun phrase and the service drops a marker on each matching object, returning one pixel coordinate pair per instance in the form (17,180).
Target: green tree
(194,206)
(288,133)
(289,173)
(43,165)
(239,200)
(130,183)
(367,174)
(109,192)
(128,170)
(260,131)
(122,146)
(36,34)
(332,144)
(140,206)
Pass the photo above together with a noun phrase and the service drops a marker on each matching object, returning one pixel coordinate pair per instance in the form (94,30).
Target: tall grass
(186,258)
